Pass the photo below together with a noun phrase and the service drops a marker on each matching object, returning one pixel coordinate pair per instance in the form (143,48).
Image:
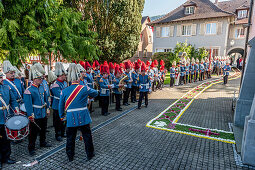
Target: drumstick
(35,123)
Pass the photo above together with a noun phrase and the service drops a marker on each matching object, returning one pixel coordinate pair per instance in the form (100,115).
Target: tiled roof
(233,5)
(204,9)
(242,21)
(144,19)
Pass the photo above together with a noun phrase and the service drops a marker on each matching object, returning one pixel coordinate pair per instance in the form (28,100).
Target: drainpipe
(247,39)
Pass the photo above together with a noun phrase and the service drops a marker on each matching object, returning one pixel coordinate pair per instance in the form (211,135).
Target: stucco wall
(207,41)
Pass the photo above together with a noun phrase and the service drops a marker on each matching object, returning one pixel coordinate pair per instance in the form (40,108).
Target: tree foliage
(44,27)
(118,24)
(170,57)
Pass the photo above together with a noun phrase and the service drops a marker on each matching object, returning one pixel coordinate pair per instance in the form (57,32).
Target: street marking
(167,120)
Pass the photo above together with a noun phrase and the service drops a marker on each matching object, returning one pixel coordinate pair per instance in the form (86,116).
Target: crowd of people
(70,94)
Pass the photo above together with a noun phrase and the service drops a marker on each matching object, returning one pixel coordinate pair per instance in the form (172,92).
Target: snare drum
(17,127)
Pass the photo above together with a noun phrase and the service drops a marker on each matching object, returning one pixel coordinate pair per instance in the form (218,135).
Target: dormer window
(189,10)
(242,14)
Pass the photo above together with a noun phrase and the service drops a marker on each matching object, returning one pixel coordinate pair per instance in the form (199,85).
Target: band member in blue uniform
(182,76)
(37,107)
(73,101)
(90,83)
(117,92)
(56,89)
(192,70)
(226,70)
(201,70)
(134,89)
(128,84)
(15,84)
(7,101)
(196,70)
(187,71)
(105,90)
(172,74)
(144,84)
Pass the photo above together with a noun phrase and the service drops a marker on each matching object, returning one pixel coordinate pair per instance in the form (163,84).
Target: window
(213,52)
(158,50)
(242,14)
(211,28)
(164,31)
(163,50)
(239,33)
(186,30)
(189,10)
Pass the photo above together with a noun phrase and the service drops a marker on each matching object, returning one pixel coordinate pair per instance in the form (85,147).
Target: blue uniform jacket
(36,101)
(192,69)
(172,72)
(9,99)
(144,83)
(226,70)
(19,86)
(134,77)
(77,113)
(89,79)
(104,87)
(182,70)
(129,85)
(201,68)
(187,70)
(46,87)
(196,68)
(116,82)
(56,89)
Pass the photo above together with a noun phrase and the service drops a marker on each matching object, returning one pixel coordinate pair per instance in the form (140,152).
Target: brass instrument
(121,82)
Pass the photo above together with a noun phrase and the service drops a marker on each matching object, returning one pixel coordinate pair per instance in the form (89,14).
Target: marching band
(70,94)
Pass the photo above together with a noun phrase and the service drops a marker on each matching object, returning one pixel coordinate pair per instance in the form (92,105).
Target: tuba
(122,82)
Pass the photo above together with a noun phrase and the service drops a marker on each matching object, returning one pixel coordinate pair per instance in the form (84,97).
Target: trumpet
(122,82)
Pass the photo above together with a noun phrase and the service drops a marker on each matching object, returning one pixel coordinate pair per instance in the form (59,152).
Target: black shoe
(0,165)
(59,138)
(125,104)
(91,111)
(139,107)
(90,157)
(10,161)
(70,159)
(119,109)
(32,153)
(106,114)
(64,135)
(45,145)
(133,101)
(146,106)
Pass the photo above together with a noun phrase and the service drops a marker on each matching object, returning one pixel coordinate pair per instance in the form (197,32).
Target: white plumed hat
(59,69)
(51,77)
(7,66)
(35,73)
(39,68)
(73,74)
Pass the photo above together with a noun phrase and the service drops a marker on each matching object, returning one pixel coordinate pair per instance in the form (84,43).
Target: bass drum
(17,127)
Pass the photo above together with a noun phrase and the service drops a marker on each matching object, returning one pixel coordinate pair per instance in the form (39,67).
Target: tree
(43,27)
(118,24)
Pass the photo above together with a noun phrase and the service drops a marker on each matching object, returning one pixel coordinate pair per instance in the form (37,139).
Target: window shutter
(179,30)
(202,29)
(219,28)
(194,29)
(232,33)
(158,32)
(171,29)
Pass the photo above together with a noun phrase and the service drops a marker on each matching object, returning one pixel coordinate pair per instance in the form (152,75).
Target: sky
(160,7)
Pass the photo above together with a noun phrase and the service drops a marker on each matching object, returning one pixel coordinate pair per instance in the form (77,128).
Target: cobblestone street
(126,143)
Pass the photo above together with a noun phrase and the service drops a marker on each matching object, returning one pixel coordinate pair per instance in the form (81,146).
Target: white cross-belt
(78,109)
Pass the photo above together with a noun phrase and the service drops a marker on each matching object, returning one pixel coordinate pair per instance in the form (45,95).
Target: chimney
(216,2)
